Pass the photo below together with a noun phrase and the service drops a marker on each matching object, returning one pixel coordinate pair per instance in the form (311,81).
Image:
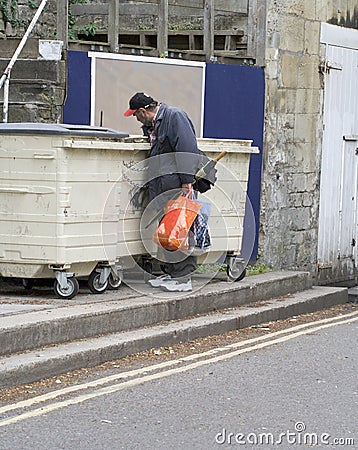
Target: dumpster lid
(62,129)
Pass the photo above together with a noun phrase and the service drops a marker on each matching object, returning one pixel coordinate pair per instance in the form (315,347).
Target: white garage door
(337,232)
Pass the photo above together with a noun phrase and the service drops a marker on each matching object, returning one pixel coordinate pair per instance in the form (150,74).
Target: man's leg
(182,269)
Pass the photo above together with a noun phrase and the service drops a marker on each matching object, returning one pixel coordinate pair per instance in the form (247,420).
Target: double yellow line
(162,370)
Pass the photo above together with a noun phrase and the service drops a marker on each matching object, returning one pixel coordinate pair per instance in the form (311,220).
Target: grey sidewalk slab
(119,312)
(10,308)
(53,360)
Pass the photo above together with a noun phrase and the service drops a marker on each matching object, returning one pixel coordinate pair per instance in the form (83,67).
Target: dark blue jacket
(173,158)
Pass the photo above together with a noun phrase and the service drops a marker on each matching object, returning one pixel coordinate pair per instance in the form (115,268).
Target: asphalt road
(289,390)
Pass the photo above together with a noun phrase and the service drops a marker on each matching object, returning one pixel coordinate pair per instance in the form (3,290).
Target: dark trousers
(182,269)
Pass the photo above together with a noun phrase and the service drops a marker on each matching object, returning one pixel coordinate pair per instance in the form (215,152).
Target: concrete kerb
(353,294)
(40,328)
(51,361)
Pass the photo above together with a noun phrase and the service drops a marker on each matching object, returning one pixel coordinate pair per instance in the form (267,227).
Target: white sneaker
(157,282)
(176,286)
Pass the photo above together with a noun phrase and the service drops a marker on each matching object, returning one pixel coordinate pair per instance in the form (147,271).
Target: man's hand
(187,188)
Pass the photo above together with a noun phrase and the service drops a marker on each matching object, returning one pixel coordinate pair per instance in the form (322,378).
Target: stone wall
(293,128)
(37,86)
(15,16)
(37,90)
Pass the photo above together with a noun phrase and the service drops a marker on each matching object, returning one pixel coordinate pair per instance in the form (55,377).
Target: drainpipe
(5,78)
(6,97)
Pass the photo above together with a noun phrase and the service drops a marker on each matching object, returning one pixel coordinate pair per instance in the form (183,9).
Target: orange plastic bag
(172,232)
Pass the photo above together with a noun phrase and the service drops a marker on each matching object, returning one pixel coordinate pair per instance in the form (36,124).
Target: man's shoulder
(171,109)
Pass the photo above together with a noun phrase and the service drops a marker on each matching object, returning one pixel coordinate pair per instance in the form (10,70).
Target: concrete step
(35,329)
(49,361)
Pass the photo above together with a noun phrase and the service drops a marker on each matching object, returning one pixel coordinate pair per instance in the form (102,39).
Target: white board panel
(115,78)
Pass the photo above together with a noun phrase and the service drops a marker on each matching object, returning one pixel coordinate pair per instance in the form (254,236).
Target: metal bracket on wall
(331,65)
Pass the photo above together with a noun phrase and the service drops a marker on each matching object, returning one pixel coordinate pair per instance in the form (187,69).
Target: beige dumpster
(227,198)
(66,208)
(51,204)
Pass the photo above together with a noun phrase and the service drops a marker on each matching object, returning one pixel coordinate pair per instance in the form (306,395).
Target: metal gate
(337,226)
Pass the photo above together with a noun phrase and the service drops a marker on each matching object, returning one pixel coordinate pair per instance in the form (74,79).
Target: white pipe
(6,97)
(22,43)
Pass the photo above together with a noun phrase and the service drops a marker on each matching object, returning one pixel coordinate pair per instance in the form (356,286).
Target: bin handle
(24,190)
(14,190)
(44,156)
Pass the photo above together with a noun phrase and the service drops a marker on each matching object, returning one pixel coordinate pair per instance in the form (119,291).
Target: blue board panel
(234,109)
(77,108)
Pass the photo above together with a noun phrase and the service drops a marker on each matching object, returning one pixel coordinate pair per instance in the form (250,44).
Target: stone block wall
(15,16)
(37,86)
(293,128)
(37,90)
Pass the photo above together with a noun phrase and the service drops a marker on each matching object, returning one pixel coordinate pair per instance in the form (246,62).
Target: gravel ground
(156,355)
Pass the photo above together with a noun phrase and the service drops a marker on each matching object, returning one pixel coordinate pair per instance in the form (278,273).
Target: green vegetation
(32,4)
(210,268)
(254,269)
(89,29)
(185,26)
(74,30)
(9,10)
(143,26)
(257,269)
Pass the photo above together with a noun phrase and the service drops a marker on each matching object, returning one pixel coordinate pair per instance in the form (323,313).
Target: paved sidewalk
(43,336)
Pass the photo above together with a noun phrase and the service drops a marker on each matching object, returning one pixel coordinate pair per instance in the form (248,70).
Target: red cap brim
(129,112)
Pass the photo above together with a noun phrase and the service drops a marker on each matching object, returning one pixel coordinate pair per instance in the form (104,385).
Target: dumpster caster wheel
(68,292)
(236,270)
(94,283)
(112,284)
(233,277)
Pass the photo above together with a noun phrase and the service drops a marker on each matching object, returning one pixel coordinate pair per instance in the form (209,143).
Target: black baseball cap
(139,100)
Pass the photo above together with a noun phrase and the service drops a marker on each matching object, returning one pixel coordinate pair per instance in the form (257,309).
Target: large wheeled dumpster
(51,204)
(228,199)
(66,209)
